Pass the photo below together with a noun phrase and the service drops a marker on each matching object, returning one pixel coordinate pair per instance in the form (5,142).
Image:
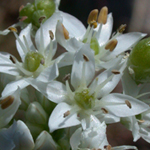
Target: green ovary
(32,61)
(93,45)
(84,100)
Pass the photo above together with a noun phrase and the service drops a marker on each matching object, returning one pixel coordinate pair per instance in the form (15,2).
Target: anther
(51,34)
(21,7)
(115,72)
(42,62)
(23,18)
(12,59)
(102,18)
(122,28)
(93,24)
(128,104)
(12,29)
(67,113)
(111,45)
(66,33)
(141,121)
(5,103)
(104,110)
(67,77)
(41,19)
(85,58)
(108,147)
(92,16)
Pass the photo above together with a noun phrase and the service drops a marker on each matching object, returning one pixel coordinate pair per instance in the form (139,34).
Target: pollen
(92,16)
(115,72)
(67,113)
(128,104)
(66,33)
(102,18)
(12,29)
(111,45)
(5,103)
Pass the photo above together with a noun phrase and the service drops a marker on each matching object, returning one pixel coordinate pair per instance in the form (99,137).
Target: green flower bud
(84,100)
(139,62)
(33,61)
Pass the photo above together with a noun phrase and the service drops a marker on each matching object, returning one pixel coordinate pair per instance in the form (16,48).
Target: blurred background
(134,13)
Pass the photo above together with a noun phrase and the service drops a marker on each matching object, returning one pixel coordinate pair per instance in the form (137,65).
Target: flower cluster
(61,98)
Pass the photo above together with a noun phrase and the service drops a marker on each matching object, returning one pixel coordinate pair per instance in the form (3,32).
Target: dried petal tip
(115,71)
(102,18)
(92,16)
(41,19)
(128,104)
(67,113)
(51,34)
(12,29)
(122,28)
(5,103)
(67,77)
(66,33)
(85,58)
(111,45)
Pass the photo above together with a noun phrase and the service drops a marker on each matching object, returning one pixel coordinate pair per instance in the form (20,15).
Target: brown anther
(111,45)
(67,77)
(21,7)
(66,33)
(128,104)
(108,147)
(141,121)
(41,19)
(67,113)
(102,18)
(12,29)
(92,16)
(51,34)
(93,24)
(85,58)
(12,59)
(42,62)
(115,71)
(23,18)
(122,28)
(104,110)
(5,103)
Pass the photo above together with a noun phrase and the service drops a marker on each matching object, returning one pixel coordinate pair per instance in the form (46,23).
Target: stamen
(67,113)
(92,16)
(21,7)
(141,121)
(111,45)
(128,104)
(12,59)
(115,71)
(12,29)
(66,33)
(104,110)
(93,23)
(5,103)
(67,77)
(102,18)
(41,19)
(122,28)
(51,34)
(23,18)
(42,62)
(85,58)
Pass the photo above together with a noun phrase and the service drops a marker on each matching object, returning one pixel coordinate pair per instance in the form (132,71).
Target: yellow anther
(122,28)
(94,24)
(111,45)
(5,103)
(102,18)
(115,71)
(66,33)
(92,16)
(128,104)
(12,29)
(51,34)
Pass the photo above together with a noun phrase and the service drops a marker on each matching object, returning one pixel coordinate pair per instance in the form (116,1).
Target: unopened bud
(111,45)
(102,18)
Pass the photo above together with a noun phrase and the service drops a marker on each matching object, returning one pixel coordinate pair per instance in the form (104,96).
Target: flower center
(33,61)
(84,100)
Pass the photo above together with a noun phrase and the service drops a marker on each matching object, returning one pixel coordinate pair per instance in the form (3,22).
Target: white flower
(37,63)
(93,99)
(16,137)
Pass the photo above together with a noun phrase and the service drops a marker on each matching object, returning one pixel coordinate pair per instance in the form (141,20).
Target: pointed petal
(57,119)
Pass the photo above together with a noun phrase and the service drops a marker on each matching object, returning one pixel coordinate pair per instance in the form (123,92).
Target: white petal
(57,119)
(77,75)
(124,147)
(8,112)
(115,104)
(106,31)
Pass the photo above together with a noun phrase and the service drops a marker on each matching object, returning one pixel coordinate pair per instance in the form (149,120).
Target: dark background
(133,13)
